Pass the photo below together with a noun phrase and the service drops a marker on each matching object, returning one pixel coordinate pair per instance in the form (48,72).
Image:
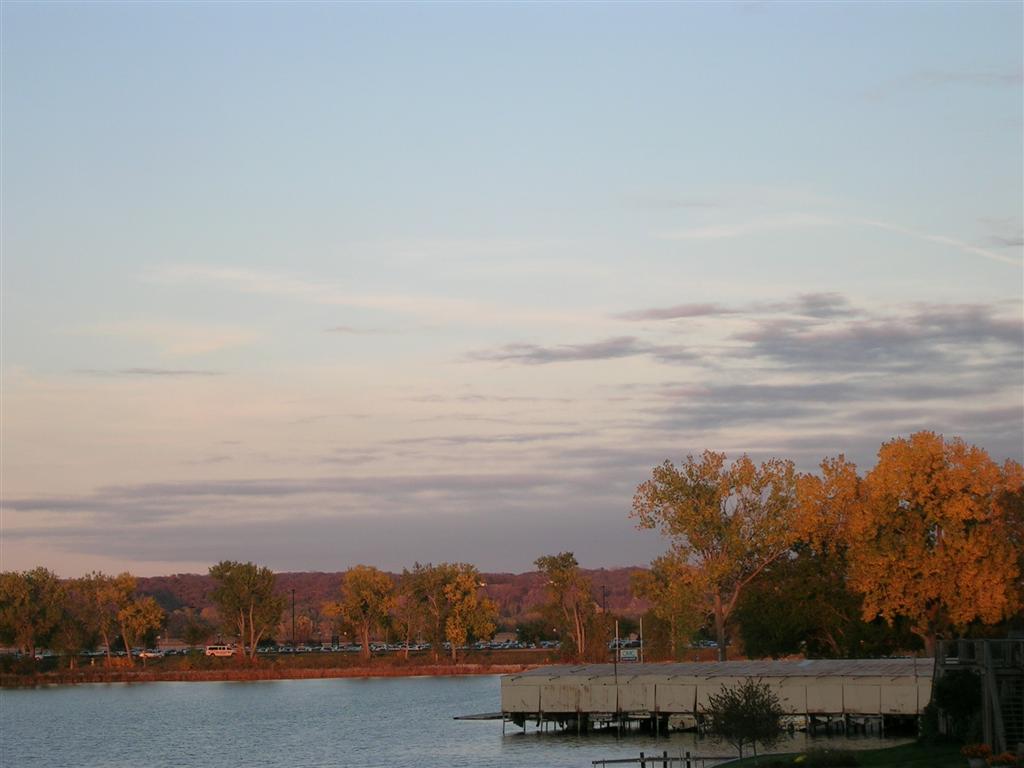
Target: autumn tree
(245,598)
(668,587)
(31,604)
(103,597)
(932,539)
(407,613)
(367,596)
(569,596)
(426,584)
(469,612)
(73,633)
(728,523)
(137,619)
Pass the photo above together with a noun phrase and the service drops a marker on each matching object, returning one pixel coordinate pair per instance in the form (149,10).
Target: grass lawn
(905,756)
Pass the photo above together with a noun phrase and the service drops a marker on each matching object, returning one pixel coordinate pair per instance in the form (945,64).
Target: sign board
(629,654)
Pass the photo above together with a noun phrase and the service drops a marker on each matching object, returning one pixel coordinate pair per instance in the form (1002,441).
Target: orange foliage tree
(727,523)
(932,538)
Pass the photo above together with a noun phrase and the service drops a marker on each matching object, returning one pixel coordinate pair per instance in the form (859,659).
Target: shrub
(745,714)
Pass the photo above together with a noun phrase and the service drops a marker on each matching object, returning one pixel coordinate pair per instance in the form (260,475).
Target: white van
(220,650)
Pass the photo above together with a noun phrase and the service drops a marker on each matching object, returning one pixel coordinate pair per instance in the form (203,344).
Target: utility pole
(293,617)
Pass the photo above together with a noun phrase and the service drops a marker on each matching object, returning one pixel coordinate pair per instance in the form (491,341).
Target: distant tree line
(927,544)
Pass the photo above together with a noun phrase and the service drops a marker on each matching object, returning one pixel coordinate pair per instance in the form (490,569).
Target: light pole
(293,617)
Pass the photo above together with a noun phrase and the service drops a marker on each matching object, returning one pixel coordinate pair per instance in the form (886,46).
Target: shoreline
(244,674)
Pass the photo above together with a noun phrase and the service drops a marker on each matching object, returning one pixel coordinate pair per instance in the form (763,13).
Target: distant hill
(517,594)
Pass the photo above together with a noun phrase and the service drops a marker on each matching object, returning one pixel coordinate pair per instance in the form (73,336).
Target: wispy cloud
(943,240)
(175,339)
(354,331)
(820,305)
(431,308)
(778,222)
(606,349)
(156,372)
(676,312)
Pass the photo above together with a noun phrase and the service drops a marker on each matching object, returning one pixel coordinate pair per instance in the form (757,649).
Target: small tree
(745,714)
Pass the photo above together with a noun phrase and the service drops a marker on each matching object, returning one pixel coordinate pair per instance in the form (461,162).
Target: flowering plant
(976,750)
(1005,759)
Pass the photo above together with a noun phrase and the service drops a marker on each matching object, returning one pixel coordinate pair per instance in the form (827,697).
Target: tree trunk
(455,653)
(720,627)
(672,637)
(364,636)
(127,645)
(241,635)
(106,646)
(930,643)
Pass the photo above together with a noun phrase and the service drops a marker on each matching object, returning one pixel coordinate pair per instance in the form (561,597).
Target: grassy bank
(905,756)
(197,667)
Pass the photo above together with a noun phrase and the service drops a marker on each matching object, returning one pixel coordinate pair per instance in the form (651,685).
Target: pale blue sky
(280,280)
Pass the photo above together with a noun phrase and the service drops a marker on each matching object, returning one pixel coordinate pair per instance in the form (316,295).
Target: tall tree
(367,596)
(569,596)
(31,603)
(426,584)
(728,523)
(407,613)
(469,612)
(932,540)
(668,587)
(103,597)
(73,633)
(245,598)
(137,619)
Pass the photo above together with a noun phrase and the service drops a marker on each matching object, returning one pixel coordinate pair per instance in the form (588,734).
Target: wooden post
(664,759)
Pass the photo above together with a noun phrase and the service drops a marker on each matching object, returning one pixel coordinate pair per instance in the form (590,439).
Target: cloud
(428,307)
(175,339)
(821,305)
(511,438)
(606,349)
(156,372)
(350,329)
(945,240)
(933,335)
(672,313)
(777,222)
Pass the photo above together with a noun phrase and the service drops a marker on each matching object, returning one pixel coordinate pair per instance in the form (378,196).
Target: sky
(321,284)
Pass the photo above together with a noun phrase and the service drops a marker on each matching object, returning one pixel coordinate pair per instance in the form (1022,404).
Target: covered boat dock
(811,691)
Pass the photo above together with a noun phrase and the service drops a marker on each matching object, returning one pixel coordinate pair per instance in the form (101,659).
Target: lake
(348,723)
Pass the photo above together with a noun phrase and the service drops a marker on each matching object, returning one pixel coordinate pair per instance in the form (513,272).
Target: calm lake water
(345,723)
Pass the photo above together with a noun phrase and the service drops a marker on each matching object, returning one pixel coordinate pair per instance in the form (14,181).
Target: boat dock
(842,693)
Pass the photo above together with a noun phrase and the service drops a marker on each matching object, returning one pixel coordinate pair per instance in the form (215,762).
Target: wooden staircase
(1000,664)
